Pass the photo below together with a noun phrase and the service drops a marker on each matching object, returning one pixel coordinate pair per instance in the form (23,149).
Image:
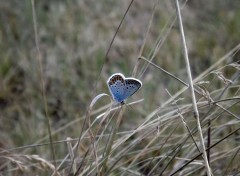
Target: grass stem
(196,113)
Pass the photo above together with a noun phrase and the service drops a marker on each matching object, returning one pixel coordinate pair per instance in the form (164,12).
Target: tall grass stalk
(112,137)
(39,57)
(196,113)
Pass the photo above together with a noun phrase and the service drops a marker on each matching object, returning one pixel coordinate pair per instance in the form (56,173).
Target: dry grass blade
(70,151)
(232,160)
(25,162)
(196,113)
(93,102)
(166,72)
(179,169)
(221,77)
(111,140)
(184,122)
(235,65)
(145,39)
(39,57)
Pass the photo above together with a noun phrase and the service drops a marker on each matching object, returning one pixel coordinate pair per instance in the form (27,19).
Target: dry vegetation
(52,86)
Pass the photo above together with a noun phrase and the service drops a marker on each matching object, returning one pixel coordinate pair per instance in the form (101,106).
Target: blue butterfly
(121,88)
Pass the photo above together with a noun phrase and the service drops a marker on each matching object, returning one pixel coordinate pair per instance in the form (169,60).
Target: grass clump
(156,133)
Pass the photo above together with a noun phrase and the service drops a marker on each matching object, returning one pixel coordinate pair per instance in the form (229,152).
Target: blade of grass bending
(84,123)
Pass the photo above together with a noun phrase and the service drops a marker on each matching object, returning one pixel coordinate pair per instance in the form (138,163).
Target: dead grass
(152,138)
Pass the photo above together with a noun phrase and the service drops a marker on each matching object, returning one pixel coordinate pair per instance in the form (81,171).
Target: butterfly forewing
(116,84)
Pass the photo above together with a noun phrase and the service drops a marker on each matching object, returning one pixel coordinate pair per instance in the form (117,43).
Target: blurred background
(73,39)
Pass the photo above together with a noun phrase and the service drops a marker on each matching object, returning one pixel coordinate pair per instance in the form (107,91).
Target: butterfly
(121,88)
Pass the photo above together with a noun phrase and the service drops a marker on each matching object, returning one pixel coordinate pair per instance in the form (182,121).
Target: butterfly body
(121,88)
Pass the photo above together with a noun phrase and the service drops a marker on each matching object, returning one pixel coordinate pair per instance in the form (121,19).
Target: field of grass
(56,112)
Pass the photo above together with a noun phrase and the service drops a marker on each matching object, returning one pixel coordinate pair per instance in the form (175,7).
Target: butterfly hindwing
(132,85)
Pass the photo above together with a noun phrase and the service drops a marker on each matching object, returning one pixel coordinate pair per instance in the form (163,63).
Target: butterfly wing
(132,85)
(116,85)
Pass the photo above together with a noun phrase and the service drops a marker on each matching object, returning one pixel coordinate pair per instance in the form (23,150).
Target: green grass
(151,138)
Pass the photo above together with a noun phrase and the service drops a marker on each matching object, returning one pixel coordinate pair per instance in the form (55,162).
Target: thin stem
(42,81)
(145,39)
(166,72)
(109,146)
(195,157)
(196,113)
